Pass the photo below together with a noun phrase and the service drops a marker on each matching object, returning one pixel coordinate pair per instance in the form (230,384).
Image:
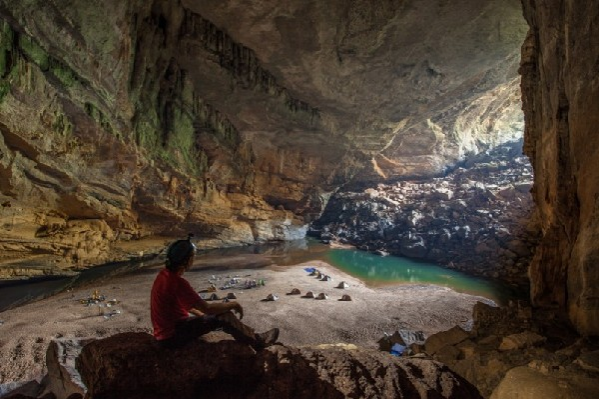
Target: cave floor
(27,330)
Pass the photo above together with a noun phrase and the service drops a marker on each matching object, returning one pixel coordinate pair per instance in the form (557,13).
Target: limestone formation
(232,121)
(514,352)
(528,383)
(560,94)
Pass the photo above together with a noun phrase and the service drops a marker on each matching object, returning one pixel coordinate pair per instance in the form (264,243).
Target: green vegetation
(36,54)
(97,115)
(4,89)
(63,73)
(173,144)
(33,52)
(6,60)
(15,47)
(62,125)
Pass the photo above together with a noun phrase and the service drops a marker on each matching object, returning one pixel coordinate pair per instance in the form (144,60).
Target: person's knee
(227,317)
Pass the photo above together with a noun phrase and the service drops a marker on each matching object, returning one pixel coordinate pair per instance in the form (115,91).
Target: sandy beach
(26,331)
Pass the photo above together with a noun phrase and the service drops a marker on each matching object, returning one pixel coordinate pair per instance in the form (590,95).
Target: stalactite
(241,62)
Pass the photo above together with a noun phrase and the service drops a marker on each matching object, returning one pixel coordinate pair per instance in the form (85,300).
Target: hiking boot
(266,338)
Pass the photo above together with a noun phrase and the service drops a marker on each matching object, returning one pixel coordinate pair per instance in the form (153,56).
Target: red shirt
(171,299)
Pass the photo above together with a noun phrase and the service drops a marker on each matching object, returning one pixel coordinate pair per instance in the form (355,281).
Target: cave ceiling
(241,116)
(408,86)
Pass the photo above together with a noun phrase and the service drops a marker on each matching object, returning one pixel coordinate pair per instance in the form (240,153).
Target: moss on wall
(15,47)
(7,38)
(97,115)
(63,73)
(6,48)
(62,124)
(34,52)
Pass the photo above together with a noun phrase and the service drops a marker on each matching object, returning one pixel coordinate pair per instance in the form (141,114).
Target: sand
(25,332)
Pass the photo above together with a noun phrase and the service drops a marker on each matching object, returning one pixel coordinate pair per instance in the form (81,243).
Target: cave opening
(451,184)
(476,217)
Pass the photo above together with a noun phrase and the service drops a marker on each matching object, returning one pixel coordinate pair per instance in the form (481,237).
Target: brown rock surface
(528,383)
(512,352)
(561,97)
(131,365)
(235,120)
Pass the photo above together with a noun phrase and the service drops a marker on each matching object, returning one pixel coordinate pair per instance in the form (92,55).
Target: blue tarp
(397,349)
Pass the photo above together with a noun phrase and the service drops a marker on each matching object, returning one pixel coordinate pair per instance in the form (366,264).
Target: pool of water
(375,270)
(378,270)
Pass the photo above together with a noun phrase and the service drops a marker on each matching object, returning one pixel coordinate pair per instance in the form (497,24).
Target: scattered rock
(444,338)
(589,361)
(526,383)
(472,217)
(63,378)
(521,340)
(28,390)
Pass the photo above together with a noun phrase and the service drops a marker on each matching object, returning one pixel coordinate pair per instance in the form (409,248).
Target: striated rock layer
(560,92)
(124,119)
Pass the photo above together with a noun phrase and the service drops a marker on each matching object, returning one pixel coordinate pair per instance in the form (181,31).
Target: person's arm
(190,297)
(195,312)
(217,308)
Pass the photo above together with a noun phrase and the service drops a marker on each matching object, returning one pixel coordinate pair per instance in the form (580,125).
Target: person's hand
(238,309)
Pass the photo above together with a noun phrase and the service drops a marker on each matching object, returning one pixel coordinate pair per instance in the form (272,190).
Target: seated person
(180,315)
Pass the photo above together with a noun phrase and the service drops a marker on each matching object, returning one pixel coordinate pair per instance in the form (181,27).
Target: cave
(456,132)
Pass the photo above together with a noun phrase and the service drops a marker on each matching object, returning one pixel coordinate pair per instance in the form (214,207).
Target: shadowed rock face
(130,365)
(561,95)
(122,119)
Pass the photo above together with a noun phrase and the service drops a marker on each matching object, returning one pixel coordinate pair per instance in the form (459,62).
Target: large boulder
(131,365)
(528,383)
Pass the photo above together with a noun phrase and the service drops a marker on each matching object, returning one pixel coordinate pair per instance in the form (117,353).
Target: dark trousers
(193,327)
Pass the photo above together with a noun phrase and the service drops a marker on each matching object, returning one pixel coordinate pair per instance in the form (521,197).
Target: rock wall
(560,93)
(124,119)
(104,139)
(517,352)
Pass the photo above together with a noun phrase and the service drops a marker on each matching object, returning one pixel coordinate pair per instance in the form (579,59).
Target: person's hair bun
(179,252)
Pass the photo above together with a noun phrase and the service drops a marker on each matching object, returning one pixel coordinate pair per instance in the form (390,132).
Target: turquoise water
(390,270)
(376,270)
